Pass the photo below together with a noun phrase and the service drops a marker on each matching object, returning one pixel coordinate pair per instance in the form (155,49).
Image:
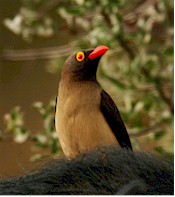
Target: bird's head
(82,65)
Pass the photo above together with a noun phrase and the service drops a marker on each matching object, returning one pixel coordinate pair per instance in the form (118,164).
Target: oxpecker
(86,116)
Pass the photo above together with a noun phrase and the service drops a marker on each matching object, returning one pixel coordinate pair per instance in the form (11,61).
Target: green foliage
(15,125)
(46,139)
(138,69)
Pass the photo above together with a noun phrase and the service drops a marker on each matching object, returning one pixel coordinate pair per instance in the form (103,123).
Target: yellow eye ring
(80,56)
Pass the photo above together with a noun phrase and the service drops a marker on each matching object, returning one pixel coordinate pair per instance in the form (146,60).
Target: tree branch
(123,43)
(146,131)
(40,53)
(9,139)
(159,87)
(165,98)
(43,10)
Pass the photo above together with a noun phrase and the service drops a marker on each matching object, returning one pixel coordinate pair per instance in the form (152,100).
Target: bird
(86,116)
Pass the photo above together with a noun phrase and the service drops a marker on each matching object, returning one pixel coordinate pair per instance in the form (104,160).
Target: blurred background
(36,36)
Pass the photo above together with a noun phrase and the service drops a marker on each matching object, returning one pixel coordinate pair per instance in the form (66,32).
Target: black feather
(55,104)
(112,116)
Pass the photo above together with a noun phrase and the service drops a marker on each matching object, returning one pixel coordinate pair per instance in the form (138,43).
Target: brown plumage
(86,116)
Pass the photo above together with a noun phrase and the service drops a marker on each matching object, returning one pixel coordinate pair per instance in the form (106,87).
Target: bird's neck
(71,81)
(79,75)
(67,86)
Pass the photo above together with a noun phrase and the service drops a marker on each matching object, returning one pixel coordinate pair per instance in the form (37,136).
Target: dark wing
(113,118)
(55,104)
(55,108)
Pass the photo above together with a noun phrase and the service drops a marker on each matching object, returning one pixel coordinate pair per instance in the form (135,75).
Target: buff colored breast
(79,122)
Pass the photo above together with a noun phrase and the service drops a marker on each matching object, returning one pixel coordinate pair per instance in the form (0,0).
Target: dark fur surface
(107,171)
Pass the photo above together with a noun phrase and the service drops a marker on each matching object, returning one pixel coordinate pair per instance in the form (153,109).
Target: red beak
(97,52)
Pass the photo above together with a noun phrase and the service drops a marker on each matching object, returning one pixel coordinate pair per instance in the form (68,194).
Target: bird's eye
(80,56)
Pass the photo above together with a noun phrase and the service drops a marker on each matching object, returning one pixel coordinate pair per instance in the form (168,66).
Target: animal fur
(106,171)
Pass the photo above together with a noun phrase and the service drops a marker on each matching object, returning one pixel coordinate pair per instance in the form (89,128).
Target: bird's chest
(76,108)
(80,124)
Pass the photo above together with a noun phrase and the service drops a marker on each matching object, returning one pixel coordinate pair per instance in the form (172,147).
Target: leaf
(42,139)
(21,137)
(169,51)
(159,135)
(36,157)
